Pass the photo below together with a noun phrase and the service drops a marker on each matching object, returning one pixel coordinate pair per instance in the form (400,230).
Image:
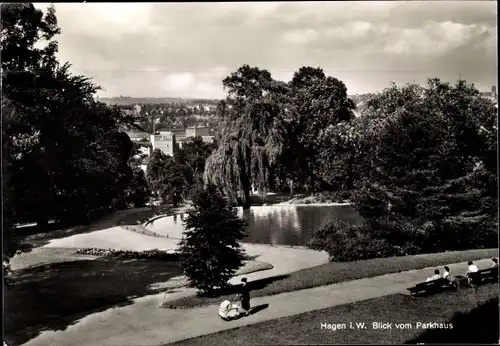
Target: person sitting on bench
(447,275)
(495,263)
(436,276)
(472,269)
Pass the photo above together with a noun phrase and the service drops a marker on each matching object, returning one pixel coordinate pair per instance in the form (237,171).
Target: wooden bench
(483,276)
(433,286)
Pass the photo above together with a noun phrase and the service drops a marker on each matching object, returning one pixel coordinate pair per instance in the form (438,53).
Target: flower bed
(148,254)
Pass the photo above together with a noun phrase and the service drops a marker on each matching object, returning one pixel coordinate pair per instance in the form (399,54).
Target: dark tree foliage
(429,177)
(64,156)
(271,131)
(210,249)
(168,179)
(138,191)
(338,157)
(252,134)
(317,103)
(194,153)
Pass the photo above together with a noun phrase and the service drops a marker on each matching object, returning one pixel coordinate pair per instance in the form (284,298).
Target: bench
(483,276)
(433,286)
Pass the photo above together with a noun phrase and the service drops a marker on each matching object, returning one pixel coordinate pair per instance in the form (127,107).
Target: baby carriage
(228,310)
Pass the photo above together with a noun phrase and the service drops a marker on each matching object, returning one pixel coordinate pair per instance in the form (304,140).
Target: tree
(155,171)
(194,154)
(337,157)
(138,191)
(252,134)
(11,243)
(63,150)
(427,182)
(19,54)
(317,103)
(210,250)
(168,178)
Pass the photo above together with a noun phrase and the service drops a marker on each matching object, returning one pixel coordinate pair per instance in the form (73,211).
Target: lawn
(56,295)
(471,323)
(331,273)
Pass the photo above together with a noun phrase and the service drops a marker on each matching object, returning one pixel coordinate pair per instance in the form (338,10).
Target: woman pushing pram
(245,297)
(230,311)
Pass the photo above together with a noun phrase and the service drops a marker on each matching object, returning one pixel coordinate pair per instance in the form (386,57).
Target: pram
(228,310)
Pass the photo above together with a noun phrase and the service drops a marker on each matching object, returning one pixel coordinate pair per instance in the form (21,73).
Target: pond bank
(289,225)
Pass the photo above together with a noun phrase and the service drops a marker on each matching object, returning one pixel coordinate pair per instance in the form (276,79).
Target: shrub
(210,250)
(335,196)
(345,243)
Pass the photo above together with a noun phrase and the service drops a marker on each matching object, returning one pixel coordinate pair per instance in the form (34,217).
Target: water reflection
(175,216)
(283,224)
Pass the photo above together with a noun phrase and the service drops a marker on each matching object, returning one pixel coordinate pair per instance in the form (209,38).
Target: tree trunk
(246,185)
(312,187)
(246,199)
(350,177)
(291,188)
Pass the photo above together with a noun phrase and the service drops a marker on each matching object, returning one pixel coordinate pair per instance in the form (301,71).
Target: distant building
(492,95)
(165,141)
(144,164)
(137,135)
(126,109)
(179,132)
(208,139)
(137,109)
(169,140)
(195,131)
(144,150)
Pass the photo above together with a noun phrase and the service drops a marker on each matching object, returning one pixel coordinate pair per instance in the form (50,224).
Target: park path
(144,323)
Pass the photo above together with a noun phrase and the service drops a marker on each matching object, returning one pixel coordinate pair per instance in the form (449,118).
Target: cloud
(179,81)
(435,38)
(186,49)
(354,30)
(301,36)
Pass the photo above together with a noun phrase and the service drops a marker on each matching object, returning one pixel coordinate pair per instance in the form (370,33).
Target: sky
(186,49)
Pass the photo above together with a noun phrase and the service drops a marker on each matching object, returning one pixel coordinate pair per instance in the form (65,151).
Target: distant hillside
(359,100)
(127,101)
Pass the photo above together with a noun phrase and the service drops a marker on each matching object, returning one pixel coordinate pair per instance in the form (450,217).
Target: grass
(56,295)
(253,266)
(471,323)
(331,273)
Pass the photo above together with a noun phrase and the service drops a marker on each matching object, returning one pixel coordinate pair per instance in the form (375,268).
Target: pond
(278,224)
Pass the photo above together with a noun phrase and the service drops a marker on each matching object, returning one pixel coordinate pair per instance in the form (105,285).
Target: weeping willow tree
(252,135)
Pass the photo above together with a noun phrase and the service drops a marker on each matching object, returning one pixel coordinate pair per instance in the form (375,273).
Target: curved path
(144,323)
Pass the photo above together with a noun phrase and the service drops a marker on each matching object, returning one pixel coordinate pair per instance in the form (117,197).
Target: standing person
(245,296)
